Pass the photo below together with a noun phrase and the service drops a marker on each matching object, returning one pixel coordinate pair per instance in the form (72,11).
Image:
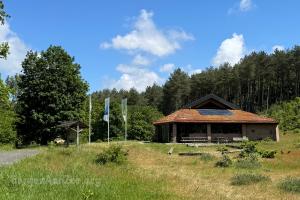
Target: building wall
(261,131)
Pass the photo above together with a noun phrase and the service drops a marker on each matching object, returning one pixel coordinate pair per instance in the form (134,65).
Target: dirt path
(11,157)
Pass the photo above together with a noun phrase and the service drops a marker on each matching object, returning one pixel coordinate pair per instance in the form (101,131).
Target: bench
(220,140)
(194,139)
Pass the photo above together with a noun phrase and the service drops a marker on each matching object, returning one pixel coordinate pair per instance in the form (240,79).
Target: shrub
(222,149)
(113,154)
(246,179)
(206,157)
(224,162)
(290,184)
(267,154)
(249,162)
(249,147)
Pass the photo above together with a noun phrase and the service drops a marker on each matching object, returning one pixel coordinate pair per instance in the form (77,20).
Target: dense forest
(256,82)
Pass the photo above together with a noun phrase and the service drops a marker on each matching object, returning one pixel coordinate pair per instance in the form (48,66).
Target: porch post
(174,133)
(209,132)
(277,133)
(244,130)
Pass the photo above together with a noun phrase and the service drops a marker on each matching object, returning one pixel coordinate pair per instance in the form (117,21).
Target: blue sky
(135,43)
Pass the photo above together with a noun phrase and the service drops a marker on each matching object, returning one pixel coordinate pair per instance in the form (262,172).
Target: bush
(287,114)
(248,148)
(249,162)
(113,154)
(224,162)
(290,184)
(267,154)
(222,149)
(206,157)
(246,179)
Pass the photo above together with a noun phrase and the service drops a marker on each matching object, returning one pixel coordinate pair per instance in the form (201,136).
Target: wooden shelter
(213,119)
(76,126)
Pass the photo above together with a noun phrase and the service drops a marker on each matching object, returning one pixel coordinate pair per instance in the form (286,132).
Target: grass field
(149,173)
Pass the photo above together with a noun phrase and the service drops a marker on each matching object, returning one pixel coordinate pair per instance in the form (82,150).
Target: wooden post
(209,132)
(174,133)
(77,131)
(277,133)
(244,131)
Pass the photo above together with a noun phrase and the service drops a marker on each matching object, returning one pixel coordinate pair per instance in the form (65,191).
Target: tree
(140,119)
(7,116)
(4,48)
(176,91)
(51,90)
(153,96)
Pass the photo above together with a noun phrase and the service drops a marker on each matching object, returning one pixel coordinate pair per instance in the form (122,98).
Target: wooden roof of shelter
(213,109)
(72,124)
(195,116)
(212,100)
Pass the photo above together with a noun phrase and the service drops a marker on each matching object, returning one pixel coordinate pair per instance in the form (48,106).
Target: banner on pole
(90,100)
(124,109)
(106,110)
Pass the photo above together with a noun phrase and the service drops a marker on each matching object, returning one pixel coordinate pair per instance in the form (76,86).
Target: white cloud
(140,60)
(242,6)
(245,5)
(191,70)
(169,67)
(17,49)
(278,47)
(195,71)
(146,37)
(146,43)
(231,50)
(134,77)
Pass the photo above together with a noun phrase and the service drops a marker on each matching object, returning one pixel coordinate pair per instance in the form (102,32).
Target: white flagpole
(108,122)
(126,129)
(126,120)
(90,114)
(108,128)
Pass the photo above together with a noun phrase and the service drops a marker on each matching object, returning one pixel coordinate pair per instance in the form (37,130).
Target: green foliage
(140,119)
(51,90)
(249,162)
(7,116)
(4,48)
(176,91)
(222,149)
(113,154)
(248,148)
(290,184)
(267,154)
(224,162)
(154,95)
(287,114)
(247,179)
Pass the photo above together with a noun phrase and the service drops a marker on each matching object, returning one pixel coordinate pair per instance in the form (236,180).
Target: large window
(226,128)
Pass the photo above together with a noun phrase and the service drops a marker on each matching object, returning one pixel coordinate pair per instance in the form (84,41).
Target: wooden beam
(174,133)
(209,132)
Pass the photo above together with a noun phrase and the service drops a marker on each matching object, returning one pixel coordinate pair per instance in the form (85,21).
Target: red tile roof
(193,116)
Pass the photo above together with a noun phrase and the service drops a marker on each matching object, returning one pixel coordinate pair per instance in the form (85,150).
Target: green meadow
(150,173)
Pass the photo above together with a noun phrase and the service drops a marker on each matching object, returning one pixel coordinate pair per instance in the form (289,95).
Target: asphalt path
(11,157)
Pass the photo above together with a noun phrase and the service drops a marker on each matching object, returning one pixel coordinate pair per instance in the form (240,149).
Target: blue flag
(106,110)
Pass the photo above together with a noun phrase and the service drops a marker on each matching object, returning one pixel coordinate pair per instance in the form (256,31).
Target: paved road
(11,157)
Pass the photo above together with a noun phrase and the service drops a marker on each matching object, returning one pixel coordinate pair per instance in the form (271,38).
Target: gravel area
(11,157)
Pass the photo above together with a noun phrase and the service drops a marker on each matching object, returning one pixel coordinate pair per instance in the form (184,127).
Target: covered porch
(201,132)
